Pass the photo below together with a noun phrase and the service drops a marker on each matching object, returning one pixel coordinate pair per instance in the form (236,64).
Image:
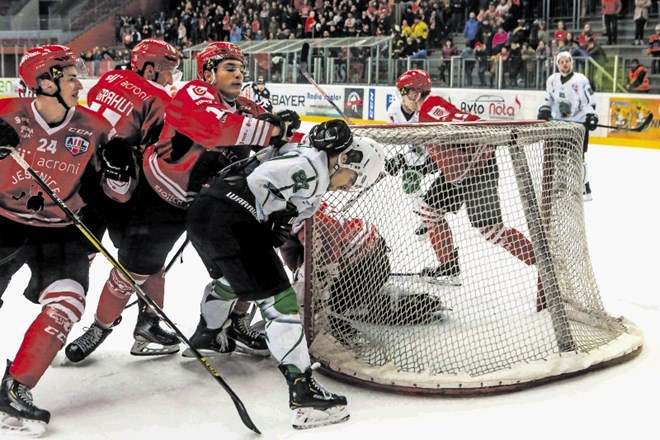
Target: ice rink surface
(114,395)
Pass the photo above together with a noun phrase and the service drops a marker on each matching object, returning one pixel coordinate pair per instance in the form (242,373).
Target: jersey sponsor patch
(76,145)
(437,112)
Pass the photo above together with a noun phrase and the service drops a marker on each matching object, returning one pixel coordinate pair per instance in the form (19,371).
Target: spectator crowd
(493,34)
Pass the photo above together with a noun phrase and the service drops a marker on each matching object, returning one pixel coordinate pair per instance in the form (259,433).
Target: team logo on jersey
(300,181)
(76,145)
(439,113)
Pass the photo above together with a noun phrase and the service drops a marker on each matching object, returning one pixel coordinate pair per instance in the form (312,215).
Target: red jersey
(343,237)
(456,162)
(132,104)
(193,146)
(59,155)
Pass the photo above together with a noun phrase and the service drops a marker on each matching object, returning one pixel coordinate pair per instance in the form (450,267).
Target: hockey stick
(179,253)
(128,277)
(304,54)
(637,129)
(427,278)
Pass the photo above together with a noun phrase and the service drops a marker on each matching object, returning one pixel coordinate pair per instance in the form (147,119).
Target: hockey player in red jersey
(200,114)
(469,176)
(65,144)
(134,102)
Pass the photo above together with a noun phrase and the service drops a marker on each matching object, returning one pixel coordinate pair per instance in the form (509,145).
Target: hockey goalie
(354,270)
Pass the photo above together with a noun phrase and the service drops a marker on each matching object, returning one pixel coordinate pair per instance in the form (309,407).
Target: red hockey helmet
(214,53)
(413,81)
(46,62)
(161,54)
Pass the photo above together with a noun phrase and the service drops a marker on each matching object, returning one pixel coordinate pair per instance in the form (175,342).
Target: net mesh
(466,267)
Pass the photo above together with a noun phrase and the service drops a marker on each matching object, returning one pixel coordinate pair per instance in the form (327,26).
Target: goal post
(526,308)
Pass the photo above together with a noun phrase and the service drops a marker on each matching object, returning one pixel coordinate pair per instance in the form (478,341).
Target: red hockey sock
(114,297)
(42,341)
(442,240)
(154,287)
(518,245)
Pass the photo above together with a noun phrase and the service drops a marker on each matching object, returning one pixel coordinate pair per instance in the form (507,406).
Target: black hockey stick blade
(637,129)
(245,417)
(304,53)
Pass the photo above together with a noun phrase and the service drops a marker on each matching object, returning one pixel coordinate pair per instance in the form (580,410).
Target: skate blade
(308,418)
(188,353)
(438,281)
(445,281)
(19,427)
(143,348)
(243,349)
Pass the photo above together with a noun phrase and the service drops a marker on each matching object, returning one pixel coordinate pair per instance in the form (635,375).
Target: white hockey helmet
(367,158)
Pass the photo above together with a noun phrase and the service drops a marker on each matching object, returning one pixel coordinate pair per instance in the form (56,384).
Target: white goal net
(465,269)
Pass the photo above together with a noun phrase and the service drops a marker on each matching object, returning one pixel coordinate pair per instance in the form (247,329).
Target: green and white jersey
(570,100)
(297,175)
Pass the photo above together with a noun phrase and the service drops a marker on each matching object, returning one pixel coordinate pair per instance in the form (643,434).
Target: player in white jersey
(569,97)
(243,213)
(399,113)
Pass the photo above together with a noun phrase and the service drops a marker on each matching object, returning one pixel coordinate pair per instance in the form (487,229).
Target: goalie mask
(214,54)
(366,157)
(47,62)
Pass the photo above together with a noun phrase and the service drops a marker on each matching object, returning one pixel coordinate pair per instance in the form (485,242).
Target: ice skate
(586,194)
(151,339)
(89,341)
(247,340)
(18,415)
(422,232)
(313,405)
(446,274)
(210,342)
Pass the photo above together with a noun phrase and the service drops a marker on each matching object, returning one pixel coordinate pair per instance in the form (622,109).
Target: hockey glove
(117,160)
(8,138)
(290,122)
(287,121)
(545,113)
(591,122)
(332,136)
(281,223)
(394,164)
(280,234)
